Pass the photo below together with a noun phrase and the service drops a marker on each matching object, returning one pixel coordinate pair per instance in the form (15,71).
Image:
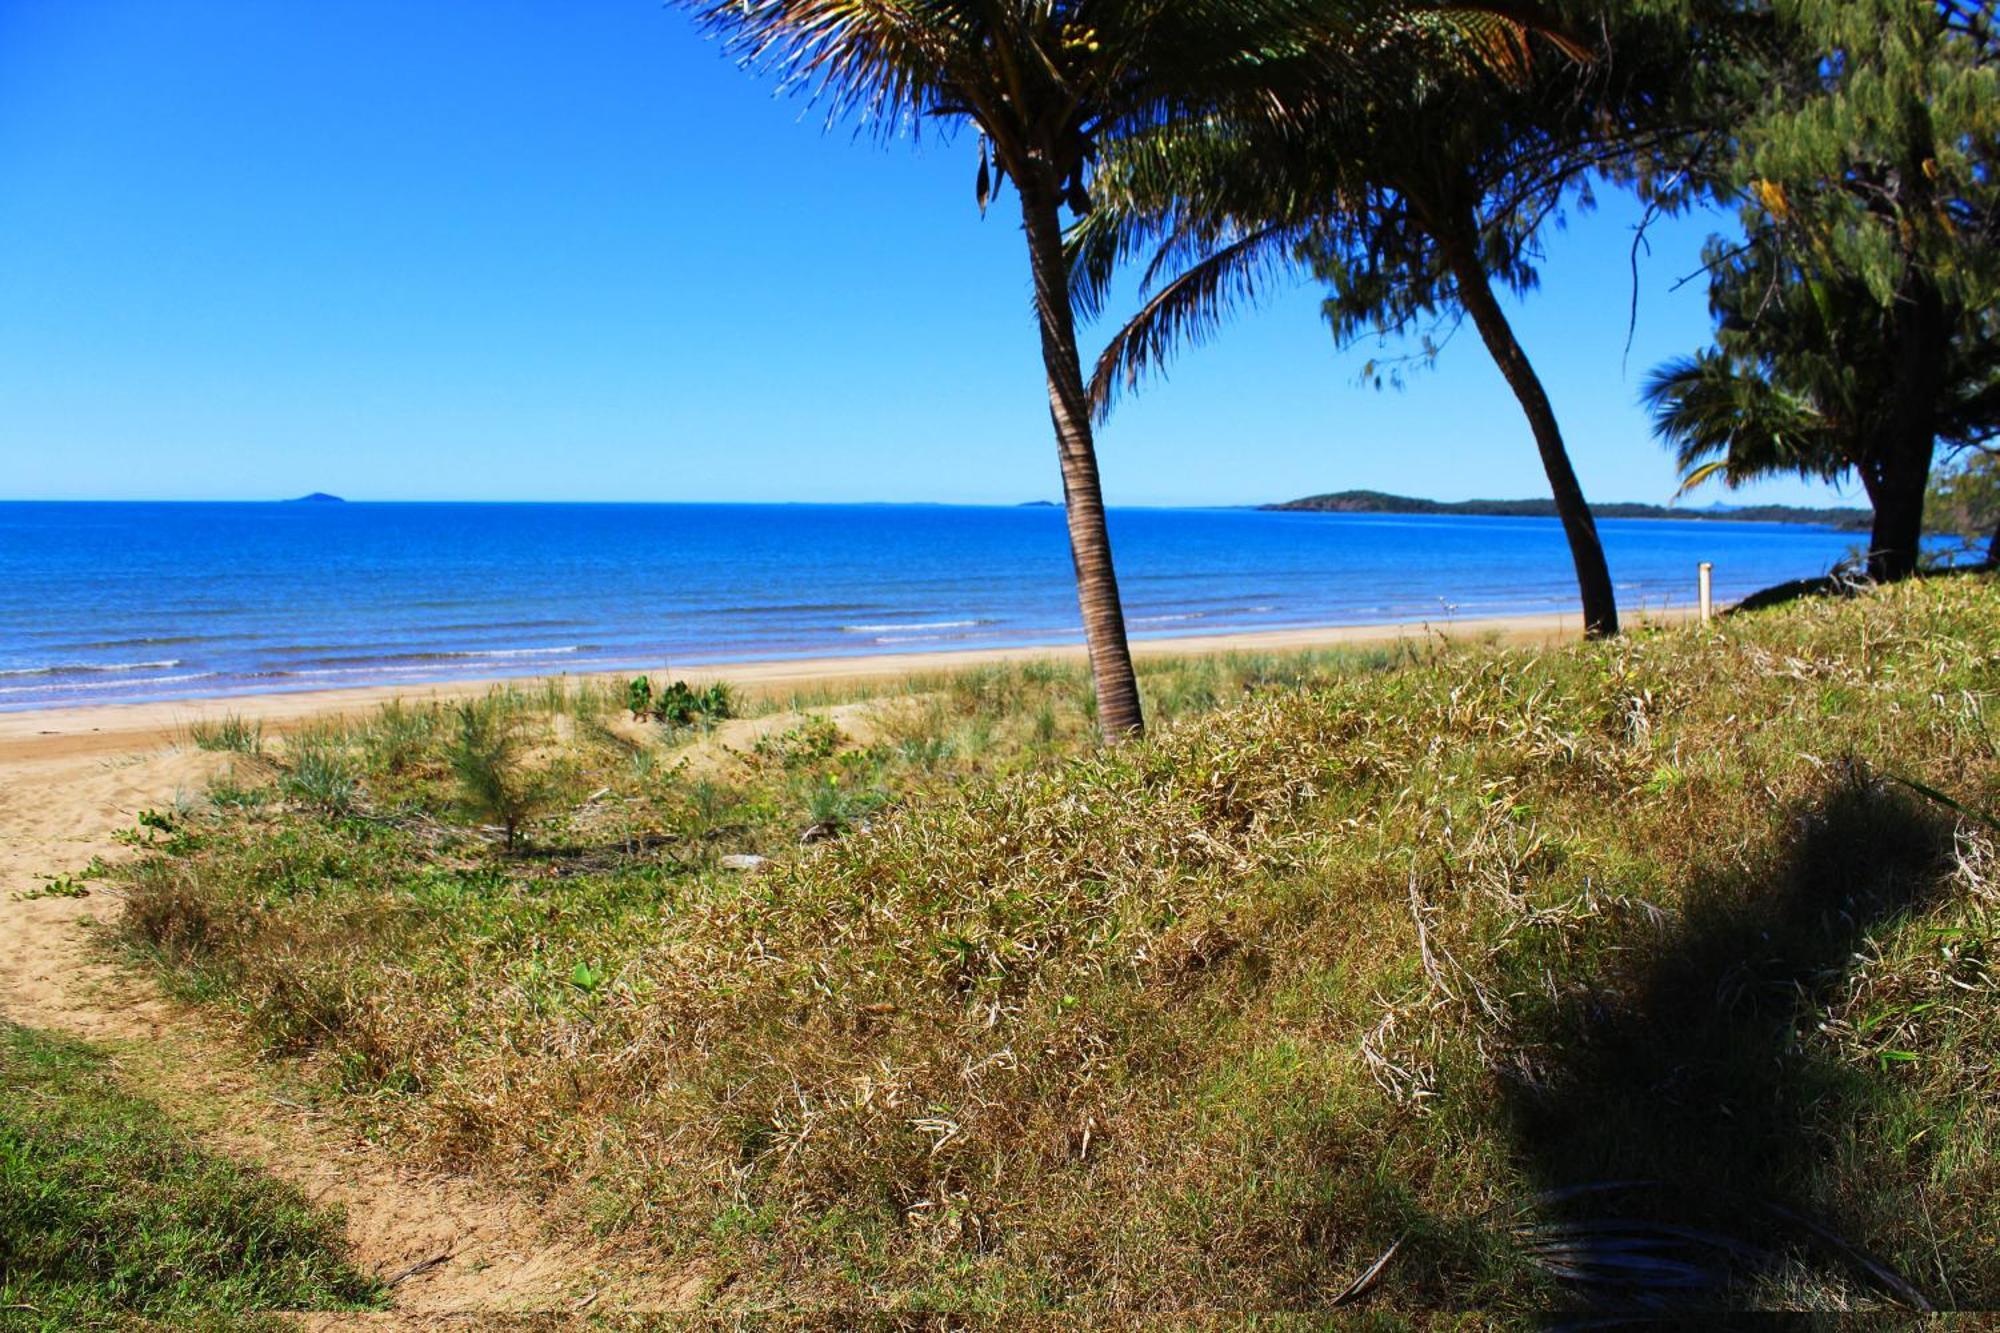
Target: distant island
(317,498)
(1380,502)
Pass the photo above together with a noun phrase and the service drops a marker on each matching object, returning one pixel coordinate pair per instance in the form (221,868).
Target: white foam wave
(91,668)
(69,687)
(911,625)
(516,652)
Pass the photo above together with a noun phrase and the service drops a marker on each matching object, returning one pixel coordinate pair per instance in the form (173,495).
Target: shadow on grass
(1685,1139)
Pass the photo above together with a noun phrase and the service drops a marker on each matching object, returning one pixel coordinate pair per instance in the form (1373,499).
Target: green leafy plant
(152,823)
(58,886)
(813,739)
(680,704)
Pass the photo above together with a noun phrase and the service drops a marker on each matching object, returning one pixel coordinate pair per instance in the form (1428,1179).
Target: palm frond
(882,61)
(1726,423)
(1189,310)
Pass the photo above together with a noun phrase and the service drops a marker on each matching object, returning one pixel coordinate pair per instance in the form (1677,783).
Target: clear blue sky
(546,250)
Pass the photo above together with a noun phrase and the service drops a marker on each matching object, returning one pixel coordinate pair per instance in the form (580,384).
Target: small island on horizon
(317,498)
(1381,502)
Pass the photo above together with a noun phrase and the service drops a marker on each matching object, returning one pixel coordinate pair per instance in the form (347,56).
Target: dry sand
(71,777)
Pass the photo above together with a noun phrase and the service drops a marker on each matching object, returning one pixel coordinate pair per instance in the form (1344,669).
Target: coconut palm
(1411,208)
(1045,83)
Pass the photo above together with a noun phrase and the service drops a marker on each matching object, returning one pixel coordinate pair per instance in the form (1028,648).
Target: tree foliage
(1410,206)
(1964,501)
(1046,85)
(1856,314)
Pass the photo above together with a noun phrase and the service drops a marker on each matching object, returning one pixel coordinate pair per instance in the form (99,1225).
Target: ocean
(117,602)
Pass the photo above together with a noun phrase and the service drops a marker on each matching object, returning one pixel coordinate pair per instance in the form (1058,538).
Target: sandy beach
(35,737)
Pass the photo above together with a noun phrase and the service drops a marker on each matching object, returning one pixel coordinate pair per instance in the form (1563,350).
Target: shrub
(398,736)
(679,704)
(494,785)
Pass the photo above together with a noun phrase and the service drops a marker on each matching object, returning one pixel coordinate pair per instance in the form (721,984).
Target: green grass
(106,1213)
(1398,946)
(231,733)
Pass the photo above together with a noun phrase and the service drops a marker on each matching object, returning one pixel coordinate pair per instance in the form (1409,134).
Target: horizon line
(312,501)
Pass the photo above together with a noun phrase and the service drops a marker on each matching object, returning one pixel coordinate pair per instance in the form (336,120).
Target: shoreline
(114,728)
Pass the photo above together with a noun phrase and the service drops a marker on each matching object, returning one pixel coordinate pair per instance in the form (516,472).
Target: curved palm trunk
(1593,576)
(1118,713)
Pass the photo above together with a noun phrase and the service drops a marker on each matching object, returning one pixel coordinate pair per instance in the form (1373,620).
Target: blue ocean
(111,602)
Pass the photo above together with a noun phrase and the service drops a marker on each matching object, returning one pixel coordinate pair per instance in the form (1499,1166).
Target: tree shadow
(1680,1132)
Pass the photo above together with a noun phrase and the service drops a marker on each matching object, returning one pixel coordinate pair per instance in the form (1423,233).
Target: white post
(1705,577)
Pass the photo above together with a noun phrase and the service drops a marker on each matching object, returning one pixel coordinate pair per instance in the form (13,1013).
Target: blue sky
(564,251)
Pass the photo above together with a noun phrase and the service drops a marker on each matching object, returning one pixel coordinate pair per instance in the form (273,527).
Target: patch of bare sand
(493,1249)
(728,742)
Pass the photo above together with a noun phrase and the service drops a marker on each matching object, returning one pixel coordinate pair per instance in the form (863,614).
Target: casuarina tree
(1856,311)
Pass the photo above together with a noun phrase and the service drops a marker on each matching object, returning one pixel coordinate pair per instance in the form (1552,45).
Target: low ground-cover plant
(1418,947)
(108,1217)
(679,704)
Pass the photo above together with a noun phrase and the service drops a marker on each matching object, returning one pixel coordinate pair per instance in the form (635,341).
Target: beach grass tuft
(230,733)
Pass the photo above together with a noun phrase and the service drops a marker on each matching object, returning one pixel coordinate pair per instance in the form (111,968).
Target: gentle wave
(160,641)
(506,624)
(90,668)
(370,661)
(911,625)
(520,652)
(66,687)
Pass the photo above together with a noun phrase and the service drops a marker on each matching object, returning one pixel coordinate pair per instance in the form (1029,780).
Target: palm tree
(1411,209)
(1045,83)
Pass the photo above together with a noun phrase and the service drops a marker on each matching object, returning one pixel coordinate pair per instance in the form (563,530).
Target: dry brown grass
(1356,950)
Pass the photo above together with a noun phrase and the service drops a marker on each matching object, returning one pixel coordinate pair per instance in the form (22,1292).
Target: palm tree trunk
(1118,712)
(1593,576)
(1993,548)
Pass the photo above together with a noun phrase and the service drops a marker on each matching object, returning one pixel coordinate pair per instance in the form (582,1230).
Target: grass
(1419,946)
(231,733)
(107,1215)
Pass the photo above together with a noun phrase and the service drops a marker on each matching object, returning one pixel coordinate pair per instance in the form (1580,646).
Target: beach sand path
(463,1250)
